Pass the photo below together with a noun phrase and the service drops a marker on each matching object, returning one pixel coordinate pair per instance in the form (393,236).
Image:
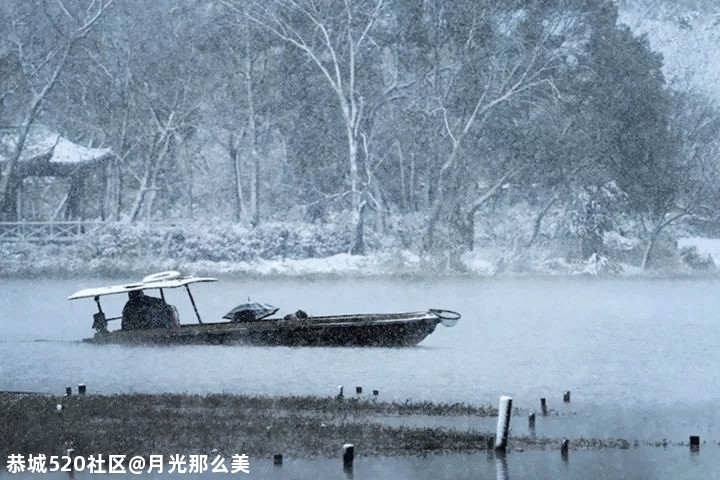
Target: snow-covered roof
(129,287)
(42,141)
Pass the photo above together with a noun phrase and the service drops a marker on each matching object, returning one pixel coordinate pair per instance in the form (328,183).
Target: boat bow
(446,317)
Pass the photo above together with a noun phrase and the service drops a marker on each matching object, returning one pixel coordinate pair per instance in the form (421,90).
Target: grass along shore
(143,424)
(299,427)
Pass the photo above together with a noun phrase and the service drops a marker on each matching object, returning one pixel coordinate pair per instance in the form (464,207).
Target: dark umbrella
(248,312)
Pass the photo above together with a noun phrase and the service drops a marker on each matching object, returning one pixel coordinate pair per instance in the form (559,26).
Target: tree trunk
(538,222)
(252,135)
(255,191)
(469,224)
(403,188)
(380,220)
(358,245)
(463,227)
(111,199)
(439,201)
(9,201)
(412,205)
(60,207)
(150,196)
(74,198)
(238,200)
(140,195)
(649,248)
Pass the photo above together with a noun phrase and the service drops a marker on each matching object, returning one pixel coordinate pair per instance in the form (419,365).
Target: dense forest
(443,125)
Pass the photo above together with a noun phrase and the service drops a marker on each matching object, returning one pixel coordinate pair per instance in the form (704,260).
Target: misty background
(515,135)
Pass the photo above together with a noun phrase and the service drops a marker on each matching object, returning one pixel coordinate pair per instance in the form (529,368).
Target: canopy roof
(43,144)
(115,289)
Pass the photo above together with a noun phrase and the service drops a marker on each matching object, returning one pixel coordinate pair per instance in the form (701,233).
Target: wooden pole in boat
(503,425)
(192,300)
(97,300)
(99,321)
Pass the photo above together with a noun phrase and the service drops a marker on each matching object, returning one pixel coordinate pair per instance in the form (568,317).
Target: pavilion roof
(44,144)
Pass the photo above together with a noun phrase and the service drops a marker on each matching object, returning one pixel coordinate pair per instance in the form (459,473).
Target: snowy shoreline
(294,250)
(47,262)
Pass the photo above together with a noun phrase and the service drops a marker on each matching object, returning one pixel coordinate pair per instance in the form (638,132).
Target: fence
(46,231)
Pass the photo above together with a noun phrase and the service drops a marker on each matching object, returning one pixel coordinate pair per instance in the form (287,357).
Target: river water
(639,356)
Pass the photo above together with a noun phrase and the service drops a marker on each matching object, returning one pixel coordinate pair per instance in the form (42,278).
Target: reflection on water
(501,466)
(642,463)
(639,356)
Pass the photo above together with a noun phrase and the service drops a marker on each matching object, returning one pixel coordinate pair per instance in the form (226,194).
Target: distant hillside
(687,33)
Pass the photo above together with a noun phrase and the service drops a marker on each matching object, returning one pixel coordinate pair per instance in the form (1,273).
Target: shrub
(695,260)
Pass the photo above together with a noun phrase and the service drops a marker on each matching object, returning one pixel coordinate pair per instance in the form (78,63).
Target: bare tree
(167,133)
(522,74)
(333,45)
(41,71)
(687,184)
(244,143)
(149,95)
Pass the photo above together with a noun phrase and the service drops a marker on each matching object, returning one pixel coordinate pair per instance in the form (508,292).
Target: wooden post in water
(348,455)
(564,447)
(694,443)
(531,423)
(543,406)
(503,425)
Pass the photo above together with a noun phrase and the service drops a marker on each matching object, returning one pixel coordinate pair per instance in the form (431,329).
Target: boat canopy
(146,285)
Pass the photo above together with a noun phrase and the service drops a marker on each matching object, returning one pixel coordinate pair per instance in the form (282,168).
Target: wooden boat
(252,323)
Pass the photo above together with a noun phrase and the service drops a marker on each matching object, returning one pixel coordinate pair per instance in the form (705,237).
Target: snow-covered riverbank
(696,256)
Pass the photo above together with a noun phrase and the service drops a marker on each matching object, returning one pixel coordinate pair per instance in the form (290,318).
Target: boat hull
(375,330)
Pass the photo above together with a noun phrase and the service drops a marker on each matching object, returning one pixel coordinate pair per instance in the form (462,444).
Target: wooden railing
(46,231)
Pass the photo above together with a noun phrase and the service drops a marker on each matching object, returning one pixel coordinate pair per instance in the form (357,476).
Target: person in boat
(143,311)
